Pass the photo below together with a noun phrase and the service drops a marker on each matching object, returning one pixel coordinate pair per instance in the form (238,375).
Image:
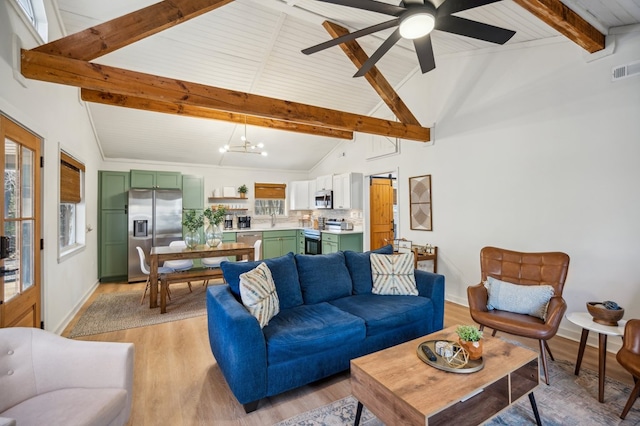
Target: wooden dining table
(161,253)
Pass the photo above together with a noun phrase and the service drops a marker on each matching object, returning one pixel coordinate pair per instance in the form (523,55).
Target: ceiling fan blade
(350,36)
(453,6)
(370,5)
(384,48)
(473,29)
(424,50)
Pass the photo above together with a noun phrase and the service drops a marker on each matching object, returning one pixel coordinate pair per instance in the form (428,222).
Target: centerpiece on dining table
(213,231)
(193,222)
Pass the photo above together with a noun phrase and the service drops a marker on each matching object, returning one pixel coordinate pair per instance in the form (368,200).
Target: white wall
(535,150)
(54,113)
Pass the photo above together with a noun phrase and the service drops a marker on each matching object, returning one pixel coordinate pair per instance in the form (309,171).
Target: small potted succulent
(470,338)
(242,189)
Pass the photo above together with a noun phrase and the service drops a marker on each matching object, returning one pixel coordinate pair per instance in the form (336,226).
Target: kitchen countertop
(290,228)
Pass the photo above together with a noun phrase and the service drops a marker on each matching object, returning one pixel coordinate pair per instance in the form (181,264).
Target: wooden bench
(180,277)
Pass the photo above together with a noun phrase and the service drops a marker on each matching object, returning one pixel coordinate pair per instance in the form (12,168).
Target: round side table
(585,320)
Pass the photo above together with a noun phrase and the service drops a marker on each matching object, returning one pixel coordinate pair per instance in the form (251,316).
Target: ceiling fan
(415,20)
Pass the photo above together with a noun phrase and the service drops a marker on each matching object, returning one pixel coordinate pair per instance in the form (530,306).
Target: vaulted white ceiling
(254,46)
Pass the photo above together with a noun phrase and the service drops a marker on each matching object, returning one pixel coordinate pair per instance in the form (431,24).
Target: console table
(426,256)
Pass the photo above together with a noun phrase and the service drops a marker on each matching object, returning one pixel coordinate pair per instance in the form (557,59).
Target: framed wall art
(420,203)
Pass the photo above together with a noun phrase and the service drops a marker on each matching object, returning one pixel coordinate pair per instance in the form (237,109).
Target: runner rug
(569,400)
(120,311)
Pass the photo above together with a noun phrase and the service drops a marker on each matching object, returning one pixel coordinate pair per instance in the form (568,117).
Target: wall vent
(624,71)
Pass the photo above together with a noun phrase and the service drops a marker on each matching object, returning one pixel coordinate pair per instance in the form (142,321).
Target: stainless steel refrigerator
(155,219)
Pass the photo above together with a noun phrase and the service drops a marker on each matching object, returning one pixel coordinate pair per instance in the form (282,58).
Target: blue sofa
(328,316)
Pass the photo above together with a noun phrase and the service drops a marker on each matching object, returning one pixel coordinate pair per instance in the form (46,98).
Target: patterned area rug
(119,311)
(569,400)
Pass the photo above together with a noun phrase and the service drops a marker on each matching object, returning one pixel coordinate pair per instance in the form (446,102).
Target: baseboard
(566,330)
(67,319)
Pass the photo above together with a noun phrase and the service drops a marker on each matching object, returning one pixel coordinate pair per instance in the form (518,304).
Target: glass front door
(20,235)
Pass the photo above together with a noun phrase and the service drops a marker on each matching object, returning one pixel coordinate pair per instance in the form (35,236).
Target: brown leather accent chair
(629,357)
(549,268)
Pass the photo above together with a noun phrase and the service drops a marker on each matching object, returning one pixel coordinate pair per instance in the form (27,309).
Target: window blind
(273,191)
(70,169)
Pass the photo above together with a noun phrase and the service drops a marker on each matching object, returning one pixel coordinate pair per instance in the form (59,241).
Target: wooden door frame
(16,127)
(366,228)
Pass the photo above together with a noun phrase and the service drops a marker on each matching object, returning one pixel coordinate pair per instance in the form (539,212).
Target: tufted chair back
(40,365)
(548,268)
(17,372)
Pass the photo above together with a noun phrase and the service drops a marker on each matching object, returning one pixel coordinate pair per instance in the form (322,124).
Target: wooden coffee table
(399,388)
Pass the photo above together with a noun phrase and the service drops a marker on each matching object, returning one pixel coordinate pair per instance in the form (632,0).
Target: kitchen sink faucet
(273,220)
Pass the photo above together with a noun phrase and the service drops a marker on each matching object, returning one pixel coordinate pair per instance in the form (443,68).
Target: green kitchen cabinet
(301,242)
(192,192)
(149,179)
(113,197)
(113,251)
(278,243)
(332,243)
(113,188)
(229,237)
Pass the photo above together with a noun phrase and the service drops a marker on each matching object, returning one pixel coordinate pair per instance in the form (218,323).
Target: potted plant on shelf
(470,338)
(213,233)
(193,222)
(242,189)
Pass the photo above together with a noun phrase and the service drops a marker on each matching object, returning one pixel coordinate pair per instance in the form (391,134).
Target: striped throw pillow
(393,274)
(258,294)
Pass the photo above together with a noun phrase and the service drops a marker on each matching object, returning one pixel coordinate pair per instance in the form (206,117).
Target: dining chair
(144,267)
(629,357)
(180,264)
(214,262)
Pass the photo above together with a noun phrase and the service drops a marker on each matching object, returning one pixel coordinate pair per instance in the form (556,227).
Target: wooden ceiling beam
(375,78)
(88,75)
(116,99)
(127,29)
(565,20)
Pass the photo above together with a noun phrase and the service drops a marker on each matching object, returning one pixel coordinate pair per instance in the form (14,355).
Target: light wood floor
(177,382)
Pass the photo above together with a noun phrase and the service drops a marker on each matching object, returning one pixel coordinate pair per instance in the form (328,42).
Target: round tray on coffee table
(441,363)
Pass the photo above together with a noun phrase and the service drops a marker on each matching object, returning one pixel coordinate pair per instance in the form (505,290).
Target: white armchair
(52,380)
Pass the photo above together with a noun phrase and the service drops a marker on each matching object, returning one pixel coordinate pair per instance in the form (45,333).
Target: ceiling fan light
(243,138)
(260,145)
(263,153)
(417,25)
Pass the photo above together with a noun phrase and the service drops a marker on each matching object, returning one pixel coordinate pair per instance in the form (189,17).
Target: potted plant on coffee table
(470,338)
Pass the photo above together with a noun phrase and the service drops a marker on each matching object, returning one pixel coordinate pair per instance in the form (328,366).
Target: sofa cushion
(393,274)
(323,277)
(258,293)
(284,273)
(359,265)
(384,312)
(309,329)
(72,406)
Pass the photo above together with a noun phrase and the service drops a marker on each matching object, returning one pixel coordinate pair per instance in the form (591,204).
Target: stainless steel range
(312,241)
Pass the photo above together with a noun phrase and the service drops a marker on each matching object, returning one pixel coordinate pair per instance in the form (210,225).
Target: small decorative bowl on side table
(604,316)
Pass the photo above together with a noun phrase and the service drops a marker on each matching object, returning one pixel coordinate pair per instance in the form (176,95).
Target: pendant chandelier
(246,147)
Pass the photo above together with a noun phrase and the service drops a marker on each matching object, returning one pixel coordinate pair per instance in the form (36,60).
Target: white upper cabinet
(299,195)
(347,191)
(324,182)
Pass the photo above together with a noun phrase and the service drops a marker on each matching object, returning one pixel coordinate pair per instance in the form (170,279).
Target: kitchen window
(72,207)
(270,199)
